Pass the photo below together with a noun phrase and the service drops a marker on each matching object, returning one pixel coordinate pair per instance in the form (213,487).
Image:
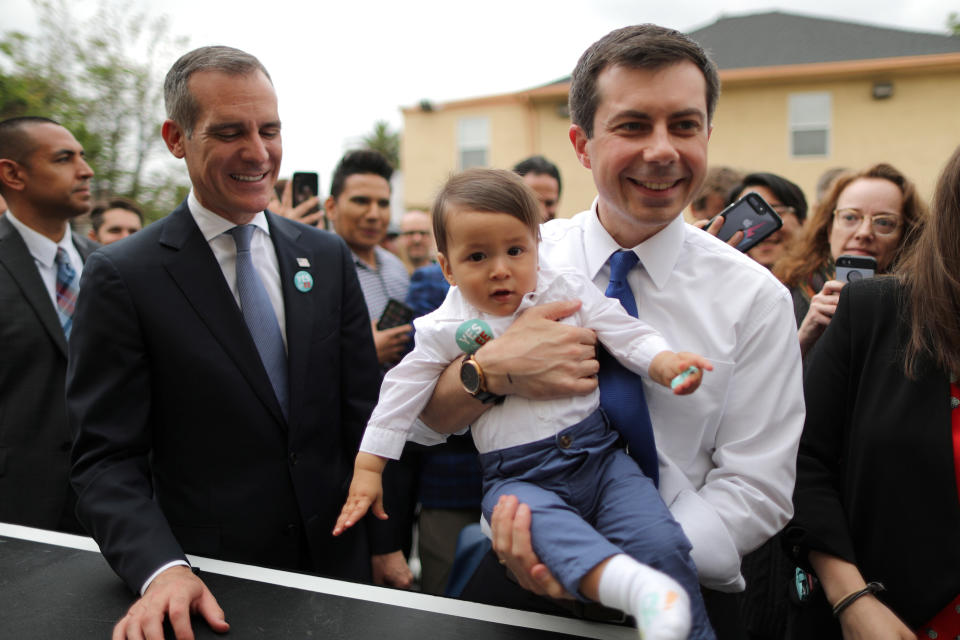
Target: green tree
(385,141)
(99,78)
(953,23)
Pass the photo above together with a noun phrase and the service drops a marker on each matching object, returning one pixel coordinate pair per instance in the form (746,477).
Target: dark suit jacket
(34,436)
(875,472)
(182,446)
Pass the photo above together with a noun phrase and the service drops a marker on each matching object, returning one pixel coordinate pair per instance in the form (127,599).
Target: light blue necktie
(259,316)
(67,289)
(621,390)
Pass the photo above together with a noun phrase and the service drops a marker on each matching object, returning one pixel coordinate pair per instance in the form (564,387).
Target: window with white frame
(473,142)
(810,124)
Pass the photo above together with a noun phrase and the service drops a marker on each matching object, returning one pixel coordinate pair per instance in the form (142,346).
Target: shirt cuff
(383,442)
(153,576)
(647,350)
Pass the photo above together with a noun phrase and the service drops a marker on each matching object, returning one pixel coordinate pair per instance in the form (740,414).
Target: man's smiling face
(234,153)
(648,153)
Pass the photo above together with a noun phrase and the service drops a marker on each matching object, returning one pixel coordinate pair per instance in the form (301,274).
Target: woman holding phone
(878,472)
(869,213)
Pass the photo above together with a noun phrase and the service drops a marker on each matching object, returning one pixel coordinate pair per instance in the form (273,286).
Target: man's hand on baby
(682,371)
(366,489)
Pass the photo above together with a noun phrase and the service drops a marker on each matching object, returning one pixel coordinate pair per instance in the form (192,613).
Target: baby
(598,523)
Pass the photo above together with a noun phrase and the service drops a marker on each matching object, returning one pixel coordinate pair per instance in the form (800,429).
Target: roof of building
(744,44)
(777,38)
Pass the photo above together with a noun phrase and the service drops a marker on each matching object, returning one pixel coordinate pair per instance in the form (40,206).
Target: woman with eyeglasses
(877,499)
(787,200)
(869,213)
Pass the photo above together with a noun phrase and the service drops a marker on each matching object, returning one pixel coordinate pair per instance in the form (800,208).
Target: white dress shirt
(727,452)
(407,387)
(44,252)
(214,229)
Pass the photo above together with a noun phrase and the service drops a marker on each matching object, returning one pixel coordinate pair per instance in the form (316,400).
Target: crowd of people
(205,385)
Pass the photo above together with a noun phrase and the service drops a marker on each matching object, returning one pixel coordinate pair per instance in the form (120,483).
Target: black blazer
(181,445)
(875,472)
(34,437)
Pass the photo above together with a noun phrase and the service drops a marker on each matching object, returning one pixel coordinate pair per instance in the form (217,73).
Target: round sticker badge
(303,281)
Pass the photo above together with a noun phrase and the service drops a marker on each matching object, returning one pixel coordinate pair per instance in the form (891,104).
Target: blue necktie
(259,316)
(67,289)
(621,390)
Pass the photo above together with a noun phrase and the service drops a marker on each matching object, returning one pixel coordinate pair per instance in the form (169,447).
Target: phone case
(752,215)
(395,314)
(305,185)
(853,268)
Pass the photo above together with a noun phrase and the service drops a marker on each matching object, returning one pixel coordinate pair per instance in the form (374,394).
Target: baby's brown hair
(486,190)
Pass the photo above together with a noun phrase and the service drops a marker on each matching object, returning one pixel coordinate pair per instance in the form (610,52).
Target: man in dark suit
(46,181)
(224,370)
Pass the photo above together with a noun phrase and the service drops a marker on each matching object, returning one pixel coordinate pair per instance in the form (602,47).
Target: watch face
(470,377)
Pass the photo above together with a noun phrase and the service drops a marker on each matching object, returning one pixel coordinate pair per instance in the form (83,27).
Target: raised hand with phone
(300,200)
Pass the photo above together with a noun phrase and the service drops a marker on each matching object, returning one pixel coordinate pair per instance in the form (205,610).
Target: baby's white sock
(657,601)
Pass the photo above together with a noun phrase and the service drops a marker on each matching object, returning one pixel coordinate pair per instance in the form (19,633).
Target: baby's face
(492,257)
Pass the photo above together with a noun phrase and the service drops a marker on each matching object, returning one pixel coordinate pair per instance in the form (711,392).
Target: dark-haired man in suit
(46,182)
(220,408)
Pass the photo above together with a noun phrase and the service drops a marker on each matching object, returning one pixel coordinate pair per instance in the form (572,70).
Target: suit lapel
(298,304)
(17,259)
(199,276)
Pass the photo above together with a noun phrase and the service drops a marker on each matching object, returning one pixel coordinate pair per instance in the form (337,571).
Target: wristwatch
(471,377)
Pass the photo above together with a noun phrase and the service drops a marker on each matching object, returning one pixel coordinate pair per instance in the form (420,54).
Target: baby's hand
(365,489)
(682,371)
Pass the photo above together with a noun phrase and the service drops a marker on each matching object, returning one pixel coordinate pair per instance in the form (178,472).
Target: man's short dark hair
(488,191)
(181,106)
(118,202)
(644,46)
(539,165)
(359,161)
(786,191)
(15,141)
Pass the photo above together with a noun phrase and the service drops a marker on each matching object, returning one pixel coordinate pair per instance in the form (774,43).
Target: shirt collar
(212,225)
(658,253)
(42,248)
(376,258)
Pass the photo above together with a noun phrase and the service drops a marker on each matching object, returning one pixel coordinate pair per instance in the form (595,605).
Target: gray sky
(340,66)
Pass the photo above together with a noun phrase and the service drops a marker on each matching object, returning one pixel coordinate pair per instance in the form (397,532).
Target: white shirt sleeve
(407,389)
(747,496)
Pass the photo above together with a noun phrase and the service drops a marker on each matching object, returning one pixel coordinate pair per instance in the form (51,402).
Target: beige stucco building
(800,95)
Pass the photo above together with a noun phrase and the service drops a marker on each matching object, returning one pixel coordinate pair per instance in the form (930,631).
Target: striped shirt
(388,280)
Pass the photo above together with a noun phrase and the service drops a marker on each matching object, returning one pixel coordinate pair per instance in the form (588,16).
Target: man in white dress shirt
(642,100)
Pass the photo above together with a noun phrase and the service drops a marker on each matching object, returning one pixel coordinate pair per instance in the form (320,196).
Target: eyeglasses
(882,224)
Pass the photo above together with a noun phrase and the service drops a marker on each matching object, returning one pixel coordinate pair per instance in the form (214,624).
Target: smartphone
(306,184)
(394,315)
(853,268)
(752,215)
